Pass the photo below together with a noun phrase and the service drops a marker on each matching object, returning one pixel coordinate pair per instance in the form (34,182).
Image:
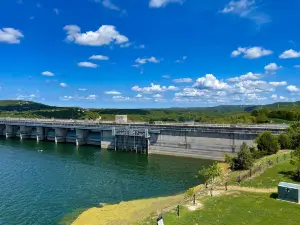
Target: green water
(40,187)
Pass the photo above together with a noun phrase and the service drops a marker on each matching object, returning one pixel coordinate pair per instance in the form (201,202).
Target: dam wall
(197,141)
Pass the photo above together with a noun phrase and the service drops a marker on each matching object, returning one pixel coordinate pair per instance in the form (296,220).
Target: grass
(273,176)
(237,208)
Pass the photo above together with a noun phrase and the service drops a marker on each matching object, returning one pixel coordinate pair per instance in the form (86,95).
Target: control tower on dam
(209,141)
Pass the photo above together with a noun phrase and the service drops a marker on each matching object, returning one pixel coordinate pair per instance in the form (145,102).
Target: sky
(150,53)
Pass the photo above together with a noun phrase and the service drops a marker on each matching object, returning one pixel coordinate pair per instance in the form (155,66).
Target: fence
(256,169)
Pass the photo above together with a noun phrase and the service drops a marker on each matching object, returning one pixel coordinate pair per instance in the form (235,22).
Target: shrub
(267,142)
(284,141)
(189,193)
(295,161)
(244,159)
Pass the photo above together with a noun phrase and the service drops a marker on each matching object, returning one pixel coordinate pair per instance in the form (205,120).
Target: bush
(268,143)
(256,154)
(229,160)
(189,193)
(294,135)
(295,161)
(244,160)
(284,141)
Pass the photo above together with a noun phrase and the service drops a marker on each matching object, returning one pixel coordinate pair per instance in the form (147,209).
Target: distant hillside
(21,106)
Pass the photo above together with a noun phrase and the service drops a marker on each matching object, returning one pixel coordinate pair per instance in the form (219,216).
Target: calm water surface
(40,187)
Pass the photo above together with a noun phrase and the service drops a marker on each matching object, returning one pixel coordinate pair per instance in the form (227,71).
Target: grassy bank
(236,208)
(127,213)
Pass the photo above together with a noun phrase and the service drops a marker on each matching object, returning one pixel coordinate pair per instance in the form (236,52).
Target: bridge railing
(93,123)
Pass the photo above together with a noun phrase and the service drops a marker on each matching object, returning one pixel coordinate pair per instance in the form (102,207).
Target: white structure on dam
(197,141)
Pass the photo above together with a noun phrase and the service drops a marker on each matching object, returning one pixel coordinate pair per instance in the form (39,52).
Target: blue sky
(150,53)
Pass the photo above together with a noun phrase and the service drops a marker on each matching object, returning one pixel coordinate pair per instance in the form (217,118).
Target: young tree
(244,159)
(268,143)
(189,193)
(284,141)
(295,161)
(211,173)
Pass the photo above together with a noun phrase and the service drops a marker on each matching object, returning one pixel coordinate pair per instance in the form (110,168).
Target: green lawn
(238,208)
(273,176)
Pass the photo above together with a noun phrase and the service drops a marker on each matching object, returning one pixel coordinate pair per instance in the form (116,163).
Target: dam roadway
(209,141)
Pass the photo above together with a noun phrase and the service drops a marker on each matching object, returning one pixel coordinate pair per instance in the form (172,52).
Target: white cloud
(87,64)
(56,11)
(10,36)
(108,4)
(25,97)
(166,76)
(82,89)
(78,98)
(278,84)
(145,60)
(283,98)
(139,96)
(154,88)
(112,93)
(248,76)
(99,57)
(48,73)
(252,52)
(181,60)
(297,66)
(183,80)
(246,9)
(192,92)
(290,54)
(162,3)
(105,35)
(63,84)
(158,96)
(274,97)
(210,82)
(292,88)
(126,45)
(272,67)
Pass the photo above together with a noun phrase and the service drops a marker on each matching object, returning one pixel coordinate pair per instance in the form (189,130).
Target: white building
(121,119)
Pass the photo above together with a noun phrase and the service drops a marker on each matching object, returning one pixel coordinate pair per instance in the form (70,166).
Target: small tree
(296,162)
(268,143)
(211,173)
(189,193)
(244,159)
(284,141)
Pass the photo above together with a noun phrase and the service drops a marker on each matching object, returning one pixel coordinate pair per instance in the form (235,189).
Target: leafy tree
(230,161)
(294,135)
(211,172)
(244,160)
(284,141)
(267,142)
(189,193)
(295,161)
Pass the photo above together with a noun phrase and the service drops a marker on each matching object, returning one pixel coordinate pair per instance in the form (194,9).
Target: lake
(42,182)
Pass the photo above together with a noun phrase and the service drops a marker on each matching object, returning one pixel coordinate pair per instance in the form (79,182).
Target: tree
(189,193)
(244,160)
(211,173)
(268,143)
(294,135)
(295,161)
(284,141)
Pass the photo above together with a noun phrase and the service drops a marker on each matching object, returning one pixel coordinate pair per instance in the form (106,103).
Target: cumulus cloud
(252,52)
(290,54)
(108,4)
(112,93)
(183,80)
(210,82)
(246,9)
(292,88)
(105,35)
(78,98)
(87,64)
(163,3)
(278,84)
(272,67)
(274,96)
(48,73)
(10,36)
(82,89)
(145,60)
(99,57)
(154,88)
(166,76)
(248,76)
(181,60)
(283,98)
(25,97)
(63,85)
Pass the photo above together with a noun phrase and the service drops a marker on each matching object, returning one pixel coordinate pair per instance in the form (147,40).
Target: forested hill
(276,112)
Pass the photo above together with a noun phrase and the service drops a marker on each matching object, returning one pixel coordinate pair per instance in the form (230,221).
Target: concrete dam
(208,141)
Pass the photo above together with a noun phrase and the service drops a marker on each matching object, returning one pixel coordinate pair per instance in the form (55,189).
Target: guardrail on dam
(199,141)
